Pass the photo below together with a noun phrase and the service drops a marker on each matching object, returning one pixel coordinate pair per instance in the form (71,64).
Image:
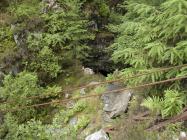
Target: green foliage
(24,10)
(54,37)
(151,35)
(7,44)
(5,35)
(173,130)
(10,126)
(153,103)
(31,130)
(52,91)
(104,9)
(64,36)
(16,89)
(65,115)
(82,123)
(144,30)
(80,106)
(68,26)
(46,62)
(34,129)
(99,90)
(171,105)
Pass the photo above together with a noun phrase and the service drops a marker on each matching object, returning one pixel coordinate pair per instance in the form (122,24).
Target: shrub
(172,103)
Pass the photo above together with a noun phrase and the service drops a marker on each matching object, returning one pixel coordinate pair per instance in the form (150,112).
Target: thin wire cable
(95,95)
(102,83)
(131,77)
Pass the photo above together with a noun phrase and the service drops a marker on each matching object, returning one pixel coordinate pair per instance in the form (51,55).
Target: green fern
(172,103)
(153,103)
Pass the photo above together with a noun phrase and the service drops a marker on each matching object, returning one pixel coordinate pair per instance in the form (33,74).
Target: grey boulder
(116,103)
(99,135)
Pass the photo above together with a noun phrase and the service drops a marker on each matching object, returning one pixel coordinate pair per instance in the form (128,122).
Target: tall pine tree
(152,34)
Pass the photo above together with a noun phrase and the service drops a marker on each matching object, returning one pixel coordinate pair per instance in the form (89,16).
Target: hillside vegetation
(46,44)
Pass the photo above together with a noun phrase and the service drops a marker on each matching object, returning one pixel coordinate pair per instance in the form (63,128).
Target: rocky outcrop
(99,135)
(116,103)
(50,5)
(20,35)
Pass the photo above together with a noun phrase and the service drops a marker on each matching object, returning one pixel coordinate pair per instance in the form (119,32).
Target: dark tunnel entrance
(104,72)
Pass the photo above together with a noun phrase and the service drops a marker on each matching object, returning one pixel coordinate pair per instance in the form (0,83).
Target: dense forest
(62,63)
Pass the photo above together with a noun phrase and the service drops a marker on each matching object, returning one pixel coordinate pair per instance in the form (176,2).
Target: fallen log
(178,118)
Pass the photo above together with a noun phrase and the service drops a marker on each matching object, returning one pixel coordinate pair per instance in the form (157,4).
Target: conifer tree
(152,35)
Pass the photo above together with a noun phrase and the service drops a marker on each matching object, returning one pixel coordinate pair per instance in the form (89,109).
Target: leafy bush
(65,115)
(34,129)
(82,123)
(30,130)
(15,90)
(172,103)
(104,9)
(46,62)
(7,44)
(63,37)
(80,106)
(24,10)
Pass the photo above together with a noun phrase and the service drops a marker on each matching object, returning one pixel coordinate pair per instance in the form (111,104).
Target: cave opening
(104,72)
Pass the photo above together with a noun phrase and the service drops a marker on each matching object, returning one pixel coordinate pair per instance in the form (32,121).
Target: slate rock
(116,103)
